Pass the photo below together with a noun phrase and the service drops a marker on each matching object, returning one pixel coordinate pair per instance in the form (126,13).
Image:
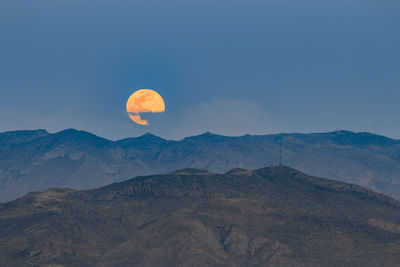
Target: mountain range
(36,160)
(274,216)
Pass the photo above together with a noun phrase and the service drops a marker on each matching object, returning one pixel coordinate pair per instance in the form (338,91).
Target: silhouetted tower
(280,152)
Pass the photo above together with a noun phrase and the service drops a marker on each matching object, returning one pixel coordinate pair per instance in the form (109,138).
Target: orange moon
(144,100)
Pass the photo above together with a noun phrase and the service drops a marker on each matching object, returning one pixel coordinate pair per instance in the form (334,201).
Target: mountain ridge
(341,132)
(81,160)
(270,216)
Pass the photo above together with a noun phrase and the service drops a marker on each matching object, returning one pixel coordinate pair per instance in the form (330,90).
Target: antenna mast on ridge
(373,128)
(280,152)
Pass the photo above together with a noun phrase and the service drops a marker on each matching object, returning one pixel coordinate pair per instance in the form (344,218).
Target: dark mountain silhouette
(274,216)
(35,160)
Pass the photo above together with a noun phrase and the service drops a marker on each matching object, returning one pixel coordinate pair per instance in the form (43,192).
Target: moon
(144,100)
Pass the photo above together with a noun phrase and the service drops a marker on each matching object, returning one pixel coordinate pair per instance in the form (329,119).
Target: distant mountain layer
(35,160)
(273,216)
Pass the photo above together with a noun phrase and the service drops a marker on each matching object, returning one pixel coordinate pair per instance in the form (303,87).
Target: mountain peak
(206,136)
(148,139)
(150,136)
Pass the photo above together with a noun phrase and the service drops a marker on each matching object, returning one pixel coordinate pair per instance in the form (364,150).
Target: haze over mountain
(36,160)
(273,216)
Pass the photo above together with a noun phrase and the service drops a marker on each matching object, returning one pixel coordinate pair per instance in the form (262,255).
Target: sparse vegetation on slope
(273,216)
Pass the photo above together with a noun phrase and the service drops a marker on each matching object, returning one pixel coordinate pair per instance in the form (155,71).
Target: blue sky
(229,67)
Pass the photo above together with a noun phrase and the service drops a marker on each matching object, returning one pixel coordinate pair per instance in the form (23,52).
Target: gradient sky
(228,67)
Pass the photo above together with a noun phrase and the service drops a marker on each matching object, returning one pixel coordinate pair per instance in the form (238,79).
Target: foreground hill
(273,216)
(36,160)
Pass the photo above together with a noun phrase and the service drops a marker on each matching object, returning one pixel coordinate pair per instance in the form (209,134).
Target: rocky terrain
(273,216)
(36,160)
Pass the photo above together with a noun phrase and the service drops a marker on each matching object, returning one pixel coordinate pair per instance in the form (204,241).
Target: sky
(227,67)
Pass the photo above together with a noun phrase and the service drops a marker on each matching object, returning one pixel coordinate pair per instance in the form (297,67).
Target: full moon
(144,100)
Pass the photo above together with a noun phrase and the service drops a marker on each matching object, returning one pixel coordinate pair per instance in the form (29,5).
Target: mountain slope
(272,216)
(35,160)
